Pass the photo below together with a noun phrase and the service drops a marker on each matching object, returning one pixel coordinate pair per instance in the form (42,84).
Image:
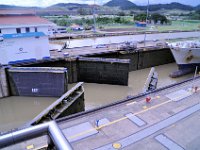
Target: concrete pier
(169,120)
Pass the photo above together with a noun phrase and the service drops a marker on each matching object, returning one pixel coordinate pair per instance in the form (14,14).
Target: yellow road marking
(30,147)
(132,103)
(118,120)
(117,145)
(153,107)
(42,147)
(144,107)
(157,97)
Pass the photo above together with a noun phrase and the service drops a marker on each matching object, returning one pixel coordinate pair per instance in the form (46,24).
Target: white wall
(43,29)
(8,31)
(30,48)
(32,29)
(12,30)
(22,30)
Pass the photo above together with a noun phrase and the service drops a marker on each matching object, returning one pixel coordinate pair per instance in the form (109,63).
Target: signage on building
(22,35)
(21,51)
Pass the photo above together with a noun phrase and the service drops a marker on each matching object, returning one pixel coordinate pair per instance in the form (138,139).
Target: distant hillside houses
(176,17)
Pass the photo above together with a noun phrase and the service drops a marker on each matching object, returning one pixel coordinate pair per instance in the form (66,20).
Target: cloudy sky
(44,3)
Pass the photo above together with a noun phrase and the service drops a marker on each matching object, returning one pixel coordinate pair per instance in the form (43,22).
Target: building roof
(7,21)
(16,12)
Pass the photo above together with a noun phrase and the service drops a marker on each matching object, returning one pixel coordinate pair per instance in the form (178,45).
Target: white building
(23,36)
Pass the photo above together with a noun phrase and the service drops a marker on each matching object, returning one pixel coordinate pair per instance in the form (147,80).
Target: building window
(36,30)
(18,30)
(27,29)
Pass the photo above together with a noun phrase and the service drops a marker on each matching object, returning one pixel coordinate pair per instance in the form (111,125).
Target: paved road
(83,51)
(140,125)
(119,39)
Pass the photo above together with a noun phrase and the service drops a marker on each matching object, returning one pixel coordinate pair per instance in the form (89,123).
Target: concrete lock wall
(95,70)
(132,56)
(142,59)
(69,63)
(4,87)
(27,81)
(106,71)
(100,71)
(152,58)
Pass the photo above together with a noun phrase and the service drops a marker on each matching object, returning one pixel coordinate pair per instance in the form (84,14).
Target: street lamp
(145,35)
(94,17)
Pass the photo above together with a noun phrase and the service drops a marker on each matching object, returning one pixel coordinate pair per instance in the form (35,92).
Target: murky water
(16,111)
(100,94)
(119,39)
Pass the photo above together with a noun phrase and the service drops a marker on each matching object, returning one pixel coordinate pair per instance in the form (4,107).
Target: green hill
(198,7)
(170,6)
(123,4)
(69,5)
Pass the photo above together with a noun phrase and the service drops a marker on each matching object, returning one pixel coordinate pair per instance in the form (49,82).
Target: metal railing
(50,128)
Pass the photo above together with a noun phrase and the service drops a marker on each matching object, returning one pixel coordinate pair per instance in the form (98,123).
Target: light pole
(94,17)
(145,35)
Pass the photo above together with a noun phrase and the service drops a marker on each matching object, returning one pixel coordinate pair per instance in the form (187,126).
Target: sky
(45,3)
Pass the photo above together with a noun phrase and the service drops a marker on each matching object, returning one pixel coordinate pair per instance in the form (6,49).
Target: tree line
(153,17)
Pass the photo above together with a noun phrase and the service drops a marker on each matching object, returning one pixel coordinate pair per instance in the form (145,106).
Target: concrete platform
(169,124)
(176,120)
(109,48)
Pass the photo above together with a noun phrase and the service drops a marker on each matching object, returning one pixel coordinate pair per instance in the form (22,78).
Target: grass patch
(180,25)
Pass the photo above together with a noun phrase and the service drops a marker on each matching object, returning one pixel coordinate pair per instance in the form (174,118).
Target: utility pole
(94,18)
(146,23)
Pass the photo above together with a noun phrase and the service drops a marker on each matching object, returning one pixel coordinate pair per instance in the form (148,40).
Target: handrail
(50,128)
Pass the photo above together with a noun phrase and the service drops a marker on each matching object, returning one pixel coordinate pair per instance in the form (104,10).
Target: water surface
(16,111)
(97,95)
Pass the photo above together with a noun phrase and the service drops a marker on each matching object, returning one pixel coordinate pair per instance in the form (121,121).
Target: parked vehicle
(128,46)
(100,46)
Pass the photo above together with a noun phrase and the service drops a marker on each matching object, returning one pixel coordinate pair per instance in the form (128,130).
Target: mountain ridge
(69,5)
(123,4)
(126,4)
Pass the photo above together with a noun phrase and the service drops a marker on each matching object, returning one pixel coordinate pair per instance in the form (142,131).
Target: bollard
(148,99)
(195,89)
(97,123)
